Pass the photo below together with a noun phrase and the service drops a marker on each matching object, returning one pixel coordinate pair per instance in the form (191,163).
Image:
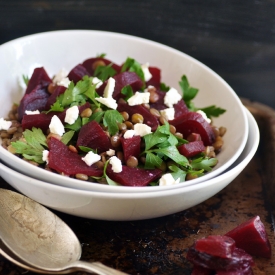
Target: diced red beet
(193,122)
(199,270)
(122,80)
(92,135)
(192,148)
(34,100)
(90,67)
(251,236)
(77,73)
(159,104)
(149,119)
(155,79)
(63,160)
(39,77)
(131,146)
(239,260)
(41,121)
(216,245)
(133,176)
(52,98)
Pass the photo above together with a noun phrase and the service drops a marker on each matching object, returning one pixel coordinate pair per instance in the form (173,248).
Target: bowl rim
(81,185)
(234,171)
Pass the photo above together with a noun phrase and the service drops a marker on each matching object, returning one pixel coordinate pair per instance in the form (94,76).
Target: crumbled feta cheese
(139,98)
(91,158)
(45,156)
(204,115)
(64,82)
(56,126)
(97,82)
(109,102)
(110,152)
(4,124)
(71,115)
(60,76)
(116,164)
(172,97)
(109,89)
(129,134)
(146,72)
(168,113)
(36,112)
(142,129)
(167,179)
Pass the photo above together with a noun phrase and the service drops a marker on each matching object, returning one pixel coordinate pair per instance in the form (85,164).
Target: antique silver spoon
(41,239)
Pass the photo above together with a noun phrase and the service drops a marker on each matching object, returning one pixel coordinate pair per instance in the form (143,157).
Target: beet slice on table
(63,160)
(133,176)
(251,236)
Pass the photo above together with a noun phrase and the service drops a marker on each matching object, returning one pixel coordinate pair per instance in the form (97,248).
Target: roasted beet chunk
(133,176)
(92,63)
(35,100)
(216,245)
(92,135)
(41,121)
(149,119)
(238,260)
(193,122)
(251,236)
(77,73)
(131,147)
(39,77)
(192,148)
(63,160)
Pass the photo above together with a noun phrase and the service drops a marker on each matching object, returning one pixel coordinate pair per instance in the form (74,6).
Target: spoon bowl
(40,238)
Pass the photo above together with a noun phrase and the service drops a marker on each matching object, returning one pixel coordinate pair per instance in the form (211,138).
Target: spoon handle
(97,267)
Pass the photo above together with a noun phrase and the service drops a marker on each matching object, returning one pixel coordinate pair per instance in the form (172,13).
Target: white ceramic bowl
(65,49)
(130,206)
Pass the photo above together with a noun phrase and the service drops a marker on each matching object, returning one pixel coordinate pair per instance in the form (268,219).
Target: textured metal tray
(158,246)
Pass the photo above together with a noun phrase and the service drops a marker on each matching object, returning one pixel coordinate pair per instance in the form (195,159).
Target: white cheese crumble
(139,98)
(56,126)
(168,113)
(203,114)
(116,164)
(172,97)
(91,158)
(45,156)
(36,112)
(64,82)
(60,76)
(167,179)
(109,89)
(4,124)
(107,100)
(146,72)
(129,134)
(110,152)
(97,82)
(142,129)
(71,115)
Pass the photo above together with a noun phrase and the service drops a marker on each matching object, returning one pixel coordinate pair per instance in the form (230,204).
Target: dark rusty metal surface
(158,246)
